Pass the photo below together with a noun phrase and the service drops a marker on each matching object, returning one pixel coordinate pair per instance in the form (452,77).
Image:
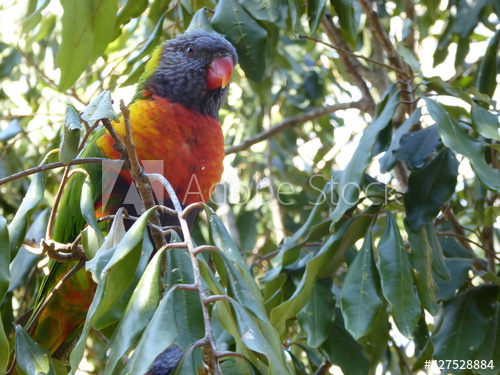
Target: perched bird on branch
(174,119)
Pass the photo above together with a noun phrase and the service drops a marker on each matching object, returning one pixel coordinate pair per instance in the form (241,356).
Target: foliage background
(376,279)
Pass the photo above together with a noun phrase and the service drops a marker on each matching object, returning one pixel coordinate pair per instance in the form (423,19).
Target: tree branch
(46,167)
(294,121)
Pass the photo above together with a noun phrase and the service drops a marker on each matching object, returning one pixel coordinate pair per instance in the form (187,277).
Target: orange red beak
(220,72)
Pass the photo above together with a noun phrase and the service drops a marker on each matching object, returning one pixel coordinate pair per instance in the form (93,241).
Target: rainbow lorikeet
(174,119)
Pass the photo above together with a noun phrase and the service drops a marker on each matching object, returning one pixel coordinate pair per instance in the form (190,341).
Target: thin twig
(464,238)
(352,54)
(292,122)
(53,292)
(46,167)
(142,182)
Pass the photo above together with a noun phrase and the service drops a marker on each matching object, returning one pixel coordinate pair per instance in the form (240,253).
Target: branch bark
(294,121)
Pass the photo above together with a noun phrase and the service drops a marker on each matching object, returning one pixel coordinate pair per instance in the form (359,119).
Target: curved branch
(294,121)
(46,167)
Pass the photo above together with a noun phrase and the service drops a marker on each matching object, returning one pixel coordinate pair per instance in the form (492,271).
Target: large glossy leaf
(329,257)
(422,256)
(87,29)
(360,296)
(490,347)
(350,178)
(247,36)
(77,43)
(485,122)
(114,279)
(138,313)
(31,356)
(464,324)
(342,350)
(159,335)
(429,188)
(188,316)
(254,337)
(104,23)
(415,148)
(266,10)
(224,242)
(388,161)
(460,142)
(459,271)
(397,279)
(317,316)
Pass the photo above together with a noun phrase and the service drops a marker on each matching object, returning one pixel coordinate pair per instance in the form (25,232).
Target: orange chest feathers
(184,146)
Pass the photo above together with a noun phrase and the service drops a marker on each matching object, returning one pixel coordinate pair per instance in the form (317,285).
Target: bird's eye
(189,50)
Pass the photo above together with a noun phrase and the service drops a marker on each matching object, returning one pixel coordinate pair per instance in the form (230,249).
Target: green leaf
(487,72)
(408,56)
(397,279)
(460,142)
(415,148)
(429,188)
(265,10)
(347,20)
(150,44)
(491,346)
(459,271)
(388,161)
(464,324)
(100,108)
(70,141)
(132,9)
(254,337)
(422,256)
(247,36)
(87,206)
(225,243)
(188,315)
(34,18)
(19,225)
(159,335)
(360,296)
(342,350)
(103,25)
(31,356)
(113,280)
(350,178)
(77,44)
(315,11)
(485,122)
(317,316)
(324,263)
(4,348)
(200,21)
(4,258)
